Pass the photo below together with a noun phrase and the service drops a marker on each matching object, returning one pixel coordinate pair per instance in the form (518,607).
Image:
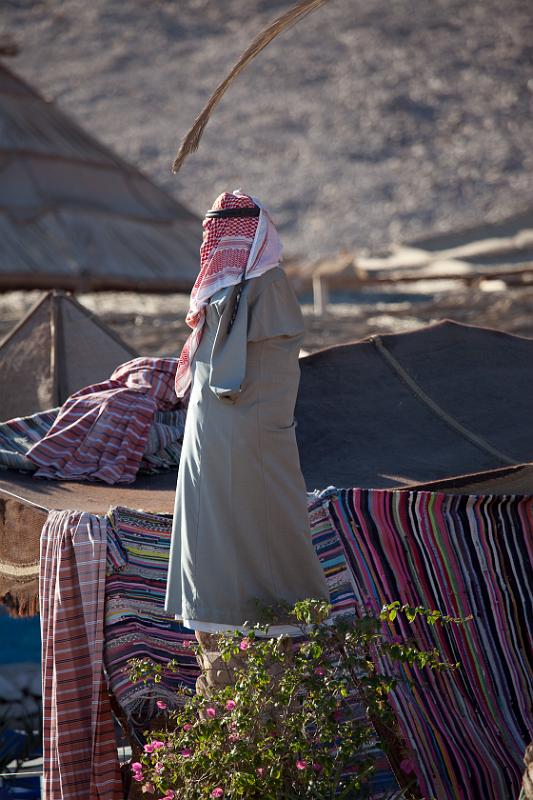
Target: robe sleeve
(228,356)
(268,308)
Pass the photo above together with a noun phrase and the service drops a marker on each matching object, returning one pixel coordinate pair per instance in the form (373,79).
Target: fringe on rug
(23,602)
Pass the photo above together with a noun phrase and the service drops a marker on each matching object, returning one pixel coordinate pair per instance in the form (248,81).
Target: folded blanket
(162,451)
(106,431)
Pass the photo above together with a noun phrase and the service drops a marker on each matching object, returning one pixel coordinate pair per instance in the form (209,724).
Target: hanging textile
(80,760)
(136,624)
(463,555)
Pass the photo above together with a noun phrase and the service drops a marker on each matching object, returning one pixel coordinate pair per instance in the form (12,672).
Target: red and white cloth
(102,430)
(230,247)
(80,759)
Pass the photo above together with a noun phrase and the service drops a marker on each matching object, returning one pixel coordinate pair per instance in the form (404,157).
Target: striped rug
(466,730)
(136,624)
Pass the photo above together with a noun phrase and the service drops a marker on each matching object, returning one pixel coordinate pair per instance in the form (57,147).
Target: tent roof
(415,407)
(58,348)
(74,215)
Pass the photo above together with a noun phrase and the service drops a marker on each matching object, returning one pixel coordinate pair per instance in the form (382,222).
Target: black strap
(237,300)
(224,213)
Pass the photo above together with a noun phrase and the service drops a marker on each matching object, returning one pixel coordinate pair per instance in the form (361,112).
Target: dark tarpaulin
(387,411)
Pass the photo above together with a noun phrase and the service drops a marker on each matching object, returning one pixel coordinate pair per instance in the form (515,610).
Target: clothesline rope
(476,440)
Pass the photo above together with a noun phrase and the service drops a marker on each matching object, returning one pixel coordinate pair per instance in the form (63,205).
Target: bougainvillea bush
(297,721)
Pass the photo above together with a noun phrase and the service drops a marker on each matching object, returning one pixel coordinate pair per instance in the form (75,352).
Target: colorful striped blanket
(136,624)
(467,730)
(162,445)
(102,430)
(19,434)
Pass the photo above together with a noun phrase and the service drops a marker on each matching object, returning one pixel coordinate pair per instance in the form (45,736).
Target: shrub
(298,720)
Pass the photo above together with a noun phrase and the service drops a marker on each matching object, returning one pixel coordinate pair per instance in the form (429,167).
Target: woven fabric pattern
(463,555)
(162,448)
(17,435)
(136,624)
(80,759)
(101,431)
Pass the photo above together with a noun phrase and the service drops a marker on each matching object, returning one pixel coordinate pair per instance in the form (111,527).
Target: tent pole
(54,315)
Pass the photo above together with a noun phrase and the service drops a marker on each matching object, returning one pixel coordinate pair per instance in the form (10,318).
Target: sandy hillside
(369,122)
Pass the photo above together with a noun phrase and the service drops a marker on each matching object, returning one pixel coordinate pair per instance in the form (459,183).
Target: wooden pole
(320,295)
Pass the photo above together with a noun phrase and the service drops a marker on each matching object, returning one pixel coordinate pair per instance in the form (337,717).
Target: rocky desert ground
(367,124)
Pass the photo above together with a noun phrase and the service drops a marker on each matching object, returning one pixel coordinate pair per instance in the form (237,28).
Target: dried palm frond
(283,23)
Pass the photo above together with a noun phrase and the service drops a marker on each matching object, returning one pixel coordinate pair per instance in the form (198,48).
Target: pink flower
(211,712)
(161,704)
(148,787)
(245,644)
(260,771)
(159,767)
(138,777)
(157,744)
(218,792)
(170,794)
(186,752)
(320,671)
(301,764)
(233,737)
(137,766)
(187,726)
(149,748)
(230,705)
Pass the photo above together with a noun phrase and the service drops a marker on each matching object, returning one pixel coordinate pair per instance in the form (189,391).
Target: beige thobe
(241,528)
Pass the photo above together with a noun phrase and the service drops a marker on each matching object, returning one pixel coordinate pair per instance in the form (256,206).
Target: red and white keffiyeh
(230,246)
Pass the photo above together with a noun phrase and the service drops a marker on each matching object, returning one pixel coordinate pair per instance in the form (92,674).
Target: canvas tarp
(73,215)
(415,407)
(58,348)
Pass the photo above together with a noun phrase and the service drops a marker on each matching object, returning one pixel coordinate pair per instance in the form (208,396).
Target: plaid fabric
(102,430)
(230,247)
(80,759)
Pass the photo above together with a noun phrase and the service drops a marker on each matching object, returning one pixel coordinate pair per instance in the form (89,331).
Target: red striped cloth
(101,431)
(80,760)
